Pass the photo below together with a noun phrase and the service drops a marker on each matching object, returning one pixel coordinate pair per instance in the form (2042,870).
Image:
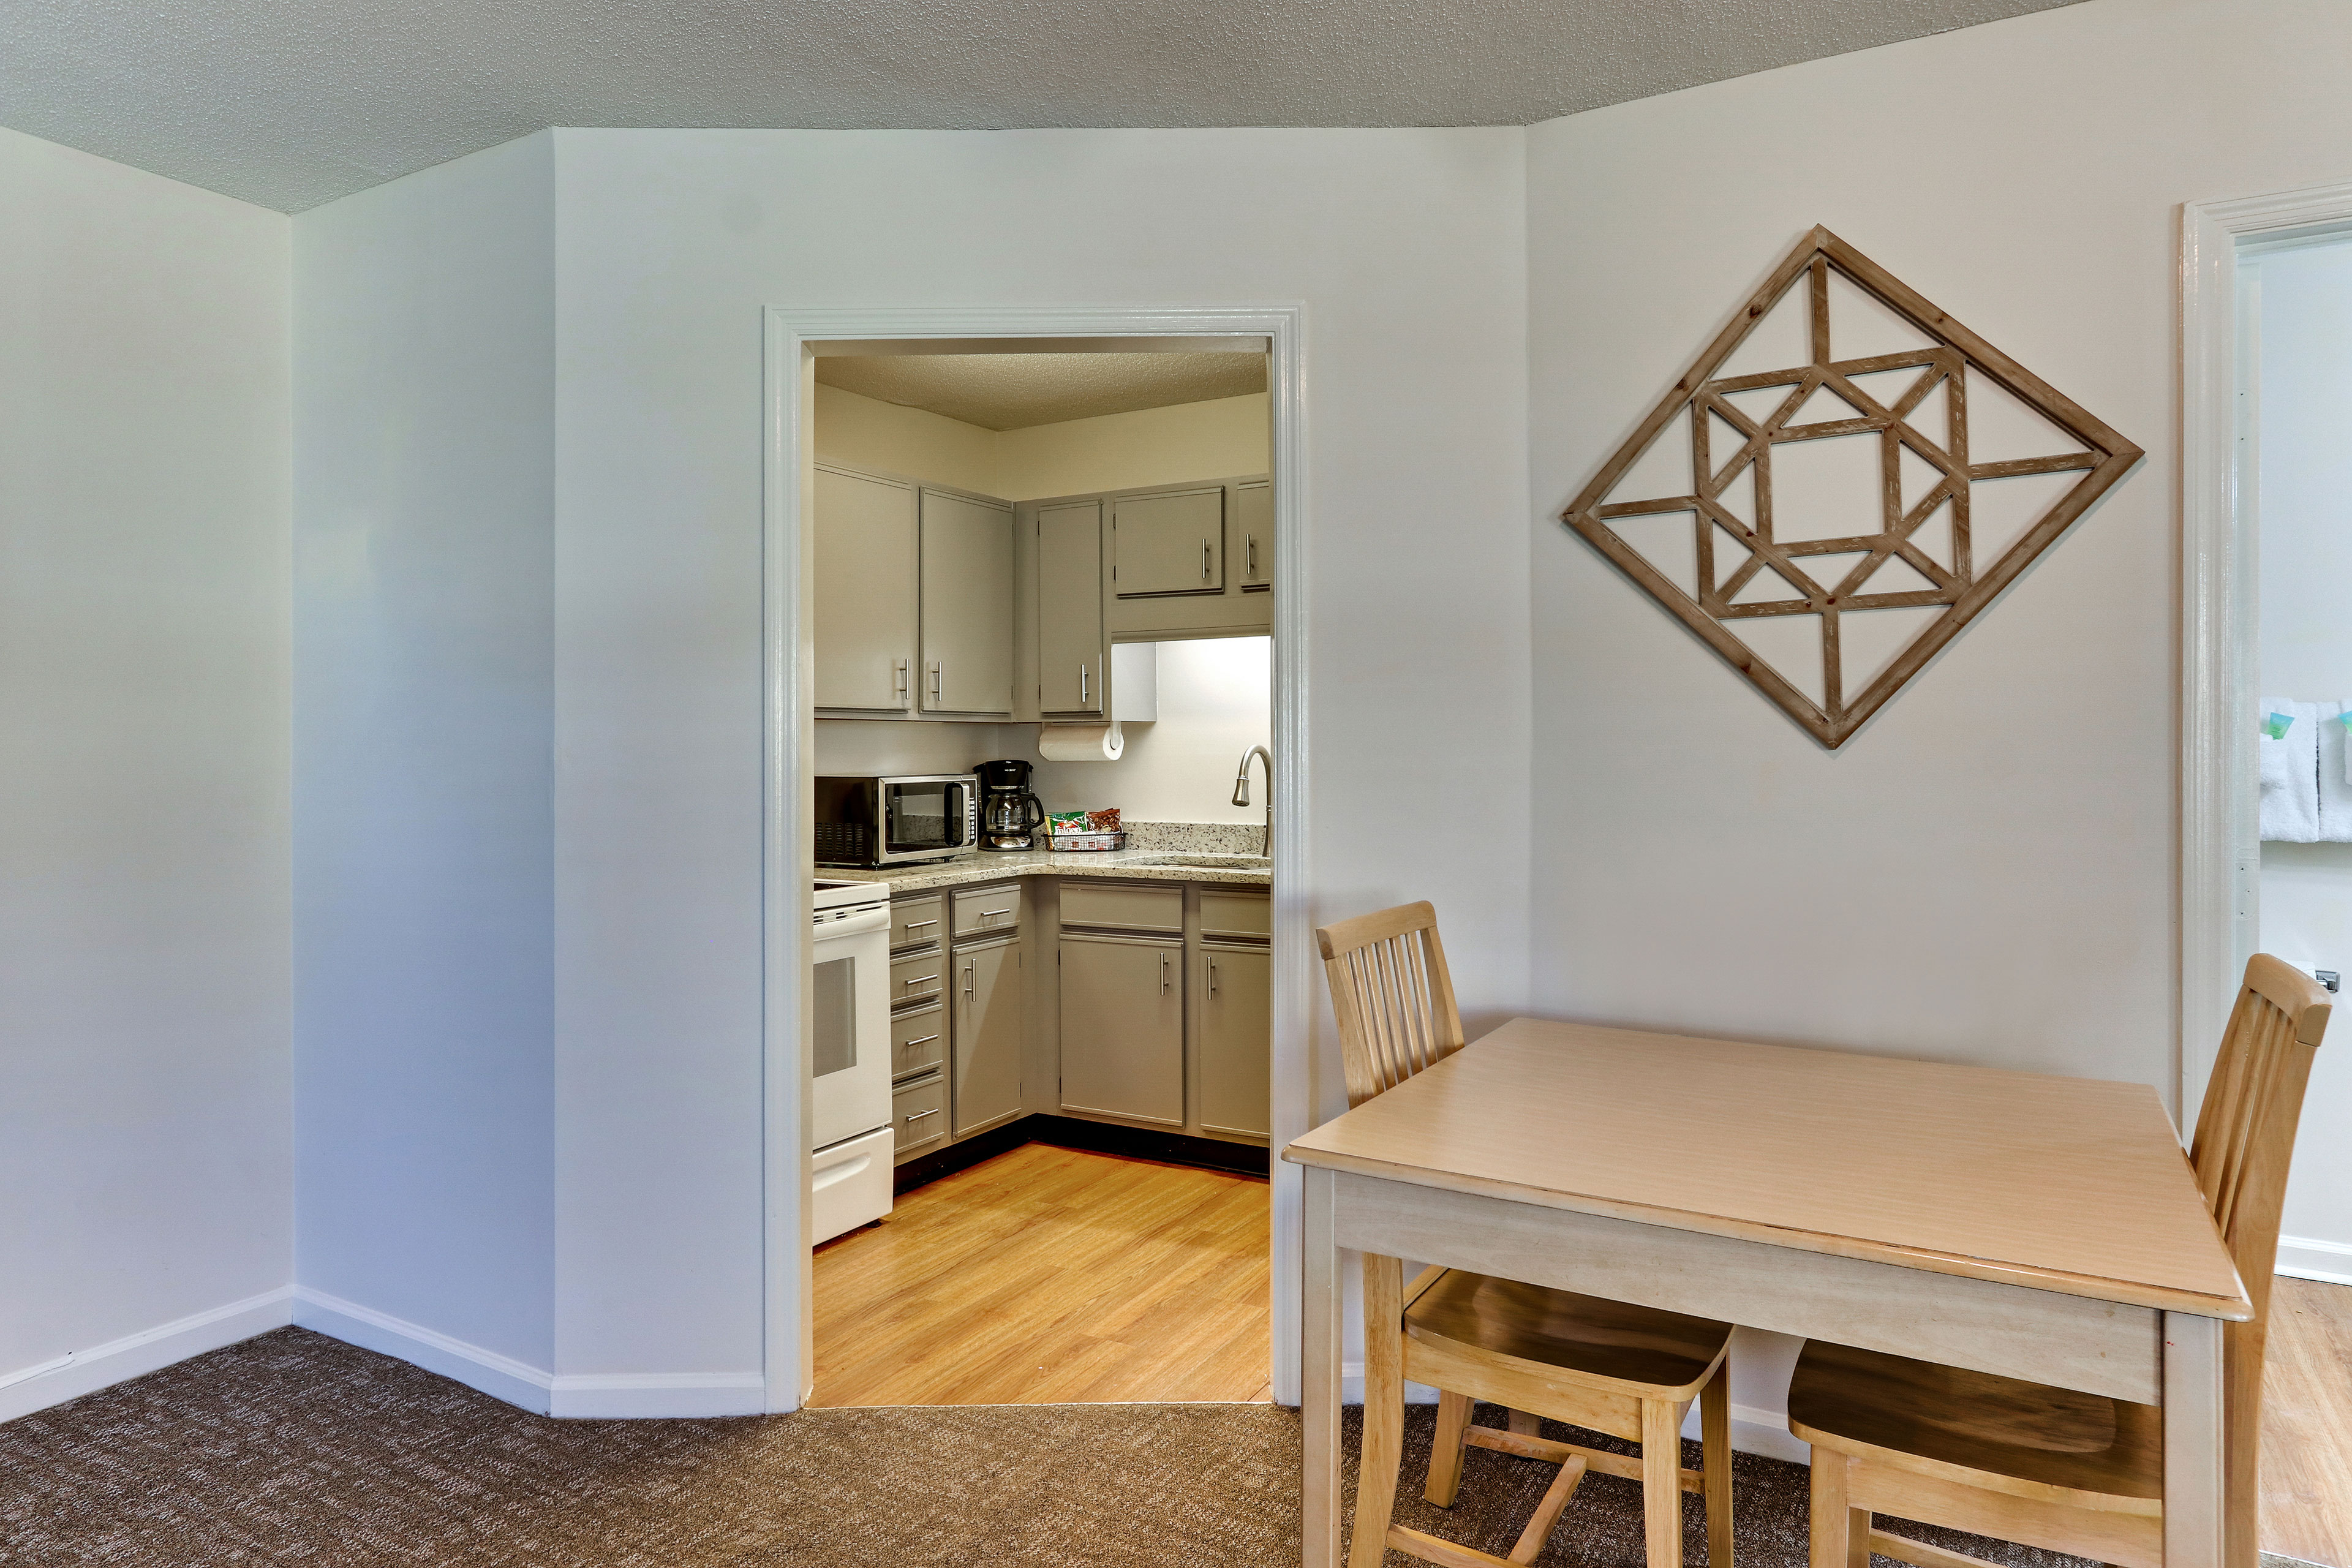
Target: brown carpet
(295,1448)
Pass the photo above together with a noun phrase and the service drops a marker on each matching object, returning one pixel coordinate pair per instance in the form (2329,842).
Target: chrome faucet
(1241,792)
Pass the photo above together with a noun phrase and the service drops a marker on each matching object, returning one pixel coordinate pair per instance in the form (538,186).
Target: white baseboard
(1753,1430)
(500,1376)
(634,1396)
(84,1372)
(647,1395)
(2307,1257)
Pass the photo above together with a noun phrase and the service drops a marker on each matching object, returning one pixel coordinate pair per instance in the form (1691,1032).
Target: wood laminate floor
(2307,1423)
(1050,1276)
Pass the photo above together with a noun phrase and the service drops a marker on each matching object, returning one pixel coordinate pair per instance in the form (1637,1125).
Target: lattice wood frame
(1961,588)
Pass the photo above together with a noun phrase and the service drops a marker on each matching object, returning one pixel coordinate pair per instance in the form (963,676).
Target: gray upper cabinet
(1169,542)
(1252,526)
(1123,1028)
(865,542)
(988,1035)
(1069,608)
(1235,1038)
(967,605)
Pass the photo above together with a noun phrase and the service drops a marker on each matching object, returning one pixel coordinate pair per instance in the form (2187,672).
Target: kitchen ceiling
(1014,391)
(290,104)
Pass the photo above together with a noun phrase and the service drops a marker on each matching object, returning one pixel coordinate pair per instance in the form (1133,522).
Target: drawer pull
(917,925)
(990,914)
(920,980)
(920,1114)
(926,1040)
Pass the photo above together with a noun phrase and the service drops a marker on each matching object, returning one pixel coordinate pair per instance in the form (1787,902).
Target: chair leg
(1383,1450)
(1662,1481)
(1833,1540)
(1445,1448)
(1715,1445)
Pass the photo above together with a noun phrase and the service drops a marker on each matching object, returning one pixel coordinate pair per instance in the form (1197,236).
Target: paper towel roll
(1080,742)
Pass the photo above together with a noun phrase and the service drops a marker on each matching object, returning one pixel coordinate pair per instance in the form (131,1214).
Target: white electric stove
(850,1138)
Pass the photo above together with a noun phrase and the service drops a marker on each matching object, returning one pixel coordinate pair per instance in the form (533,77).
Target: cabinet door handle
(1213,981)
(1251,539)
(1163,974)
(1204,561)
(1082,683)
(938,668)
(968,969)
(900,667)
(920,1114)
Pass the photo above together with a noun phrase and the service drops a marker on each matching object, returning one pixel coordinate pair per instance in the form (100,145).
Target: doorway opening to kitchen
(1041,786)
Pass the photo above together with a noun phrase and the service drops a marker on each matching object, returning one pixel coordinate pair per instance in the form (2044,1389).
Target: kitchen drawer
(918,1115)
(918,1040)
(1122,909)
(922,978)
(916,921)
(1234,912)
(985,911)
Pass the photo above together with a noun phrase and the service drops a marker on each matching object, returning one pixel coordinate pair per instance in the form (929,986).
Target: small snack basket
(1069,832)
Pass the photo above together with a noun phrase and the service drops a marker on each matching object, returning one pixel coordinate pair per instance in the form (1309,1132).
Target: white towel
(2335,786)
(2290,811)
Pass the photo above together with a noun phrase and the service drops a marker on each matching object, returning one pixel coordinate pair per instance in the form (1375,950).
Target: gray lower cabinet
(987,1036)
(918,1116)
(1234,1037)
(1123,1027)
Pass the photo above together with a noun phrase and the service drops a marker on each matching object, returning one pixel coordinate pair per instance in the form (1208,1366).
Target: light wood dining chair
(1630,1372)
(2047,1467)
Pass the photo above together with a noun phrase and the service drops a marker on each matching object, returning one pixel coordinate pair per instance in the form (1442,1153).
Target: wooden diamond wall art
(1881,505)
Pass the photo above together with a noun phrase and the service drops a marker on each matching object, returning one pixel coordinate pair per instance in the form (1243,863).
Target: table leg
(1383,1445)
(1319,1369)
(2192,1442)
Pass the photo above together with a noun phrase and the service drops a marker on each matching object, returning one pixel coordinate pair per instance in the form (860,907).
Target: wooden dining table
(2034,1226)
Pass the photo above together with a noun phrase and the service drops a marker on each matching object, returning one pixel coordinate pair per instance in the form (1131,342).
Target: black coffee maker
(1009,814)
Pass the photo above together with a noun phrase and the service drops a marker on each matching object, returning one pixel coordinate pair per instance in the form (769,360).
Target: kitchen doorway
(1086,1204)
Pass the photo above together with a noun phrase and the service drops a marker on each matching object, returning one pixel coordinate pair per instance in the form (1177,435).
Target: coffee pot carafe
(1009,815)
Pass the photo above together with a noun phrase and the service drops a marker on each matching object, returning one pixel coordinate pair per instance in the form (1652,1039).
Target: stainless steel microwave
(883,819)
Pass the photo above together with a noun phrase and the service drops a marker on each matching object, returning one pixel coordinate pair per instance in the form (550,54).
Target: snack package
(1105,820)
(1058,823)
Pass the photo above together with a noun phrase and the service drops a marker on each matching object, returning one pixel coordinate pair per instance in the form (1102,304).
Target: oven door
(849,1040)
(922,818)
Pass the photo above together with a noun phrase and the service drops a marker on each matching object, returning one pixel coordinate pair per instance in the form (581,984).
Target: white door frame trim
(2220,854)
(787,863)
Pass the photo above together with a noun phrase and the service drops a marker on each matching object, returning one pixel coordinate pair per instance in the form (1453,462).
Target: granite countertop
(1145,840)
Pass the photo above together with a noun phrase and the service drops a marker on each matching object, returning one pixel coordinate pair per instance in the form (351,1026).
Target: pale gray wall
(423,769)
(144,1070)
(1986,873)
(1406,247)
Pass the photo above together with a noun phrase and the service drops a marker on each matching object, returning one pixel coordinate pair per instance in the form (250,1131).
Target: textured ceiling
(290,104)
(1013,391)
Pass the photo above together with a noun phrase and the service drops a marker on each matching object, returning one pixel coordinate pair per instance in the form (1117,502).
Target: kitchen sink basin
(1205,862)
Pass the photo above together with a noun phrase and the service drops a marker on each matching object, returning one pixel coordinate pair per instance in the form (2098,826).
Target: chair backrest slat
(2245,1128)
(1391,995)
